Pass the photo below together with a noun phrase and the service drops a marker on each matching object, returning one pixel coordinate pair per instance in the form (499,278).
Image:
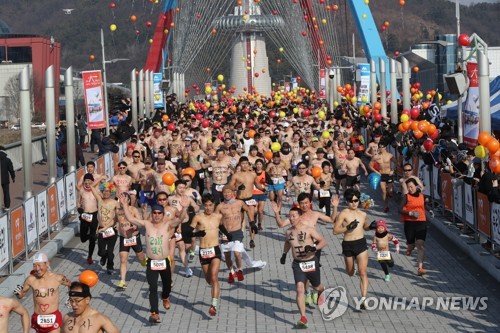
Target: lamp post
(104,62)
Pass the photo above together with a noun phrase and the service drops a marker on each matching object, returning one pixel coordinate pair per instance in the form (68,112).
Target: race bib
(207,253)
(355,145)
(219,188)
(87,217)
(276,181)
(383,255)
(174,159)
(46,321)
(324,194)
(201,175)
(295,162)
(158,265)
(178,236)
(130,241)
(283,173)
(342,172)
(110,232)
(251,202)
(329,156)
(149,195)
(210,169)
(308,266)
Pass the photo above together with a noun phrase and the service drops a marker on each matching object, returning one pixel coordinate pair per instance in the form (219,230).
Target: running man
(9,305)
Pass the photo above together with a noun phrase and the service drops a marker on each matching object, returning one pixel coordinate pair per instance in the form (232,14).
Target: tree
(12,102)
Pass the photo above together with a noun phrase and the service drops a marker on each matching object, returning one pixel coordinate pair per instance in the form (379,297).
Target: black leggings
(385,263)
(107,249)
(326,202)
(88,232)
(152,278)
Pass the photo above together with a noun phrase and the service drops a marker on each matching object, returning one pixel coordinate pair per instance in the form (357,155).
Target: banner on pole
(483,214)
(364,85)
(471,109)
(17,228)
(30,219)
(4,243)
(495,222)
(469,205)
(42,214)
(157,92)
(322,82)
(94,104)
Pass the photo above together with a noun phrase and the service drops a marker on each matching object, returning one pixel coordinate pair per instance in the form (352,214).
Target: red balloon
(464,40)
(198,116)
(307,113)
(383,28)
(368,115)
(304,33)
(495,164)
(205,123)
(148,24)
(298,79)
(272,114)
(112,5)
(406,112)
(256,74)
(171,127)
(216,125)
(415,113)
(434,135)
(378,117)
(429,144)
(397,53)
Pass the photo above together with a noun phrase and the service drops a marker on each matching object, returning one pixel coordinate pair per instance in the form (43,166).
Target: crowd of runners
(198,182)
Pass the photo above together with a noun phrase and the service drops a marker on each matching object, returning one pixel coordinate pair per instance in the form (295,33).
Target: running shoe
(421,272)
(240,276)
(122,285)
(212,311)
(387,278)
(302,323)
(103,261)
(90,261)
(308,299)
(315,298)
(408,252)
(231,277)
(362,306)
(188,272)
(252,244)
(166,303)
(154,318)
(191,256)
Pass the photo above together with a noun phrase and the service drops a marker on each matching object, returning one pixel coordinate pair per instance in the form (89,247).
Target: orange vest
(414,204)
(357,145)
(262,179)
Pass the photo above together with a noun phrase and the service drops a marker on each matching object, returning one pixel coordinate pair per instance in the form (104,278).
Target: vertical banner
(61,198)
(458,199)
(157,92)
(70,181)
(447,191)
(322,82)
(107,165)
(4,243)
(116,160)
(17,227)
(42,214)
(424,175)
(471,109)
(30,219)
(483,214)
(495,222)
(53,205)
(435,183)
(100,165)
(94,103)
(79,174)
(469,205)
(364,85)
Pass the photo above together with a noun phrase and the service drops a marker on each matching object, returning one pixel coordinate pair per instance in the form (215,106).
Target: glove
(373,225)
(18,290)
(352,225)
(200,233)
(322,183)
(309,248)
(283,259)
(395,241)
(80,210)
(253,228)
(67,303)
(241,187)
(374,247)
(228,235)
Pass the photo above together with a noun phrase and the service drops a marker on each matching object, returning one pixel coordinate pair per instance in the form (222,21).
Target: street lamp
(104,62)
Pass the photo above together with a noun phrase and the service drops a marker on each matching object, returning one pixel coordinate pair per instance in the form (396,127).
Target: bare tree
(12,101)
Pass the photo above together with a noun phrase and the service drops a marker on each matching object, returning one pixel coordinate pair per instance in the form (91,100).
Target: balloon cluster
(489,144)
(418,128)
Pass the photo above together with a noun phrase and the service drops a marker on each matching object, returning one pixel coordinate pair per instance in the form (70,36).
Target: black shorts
(354,248)
(352,180)
(185,230)
(339,176)
(386,178)
(237,235)
(415,230)
(137,247)
(313,276)
(207,261)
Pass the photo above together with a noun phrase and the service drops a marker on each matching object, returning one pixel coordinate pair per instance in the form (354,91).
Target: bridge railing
(25,227)
(38,148)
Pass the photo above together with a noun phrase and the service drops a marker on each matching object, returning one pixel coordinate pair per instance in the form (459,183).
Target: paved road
(265,301)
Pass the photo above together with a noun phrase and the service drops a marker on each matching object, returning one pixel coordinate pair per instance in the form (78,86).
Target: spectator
(82,130)
(95,139)
(6,170)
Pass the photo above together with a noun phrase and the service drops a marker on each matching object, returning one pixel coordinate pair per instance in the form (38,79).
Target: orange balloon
(366,108)
(316,171)
(133,18)
(415,69)
(495,164)
(251,133)
(377,106)
(89,278)
(92,57)
(406,125)
(493,145)
(401,128)
(422,126)
(168,179)
(483,138)
(268,155)
(431,129)
(414,126)
(347,86)
(418,134)
(189,171)
(164,118)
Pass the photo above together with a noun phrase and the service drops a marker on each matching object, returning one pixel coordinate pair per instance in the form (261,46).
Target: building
(37,52)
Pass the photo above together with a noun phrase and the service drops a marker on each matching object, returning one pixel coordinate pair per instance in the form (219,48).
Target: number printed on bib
(130,241)
(178,236)
(87,217)
(174,159)
(324,194)
(329,156)
(383,255)
(110,232)
(46,321)
(207,253)
(342,172)
(158,265)
(308,266)
(251,202)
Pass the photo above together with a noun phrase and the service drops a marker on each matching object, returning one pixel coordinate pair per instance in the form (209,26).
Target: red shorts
(47,322)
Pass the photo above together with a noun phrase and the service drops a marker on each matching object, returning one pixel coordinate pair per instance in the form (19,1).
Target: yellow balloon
(244,17)
(112,27)
(281,49)
(157,97)
(223,86)
(404,118)
(335,103)
(165,31)
(275,147)
(440,96)
(295,110)
(448,102)
(151,41)
(321,115)
(325,135)
(364,99)
(220,77)
(282,114)
(323,21)
(363,16)
(480,151)
(171,189)
(428,96)
(354,100)
(248,68)
(207,104)
(208,90)
(367,2)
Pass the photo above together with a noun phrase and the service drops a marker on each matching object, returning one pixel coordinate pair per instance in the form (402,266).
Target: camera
(331,74)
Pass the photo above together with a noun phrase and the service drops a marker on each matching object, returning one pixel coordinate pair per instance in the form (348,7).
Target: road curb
(475,251)
(51,248)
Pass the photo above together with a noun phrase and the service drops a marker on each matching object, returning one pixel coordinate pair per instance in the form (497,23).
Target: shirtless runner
(351,166)
(8,305)
(384,159)
(87,208)
(45,286)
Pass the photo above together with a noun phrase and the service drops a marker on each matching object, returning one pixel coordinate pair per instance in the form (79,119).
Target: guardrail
(26,226)
(38,148)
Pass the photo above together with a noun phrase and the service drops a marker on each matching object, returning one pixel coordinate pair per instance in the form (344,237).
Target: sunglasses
(161,199)
(157,213)
(354,200)
(302,168)
(136,156)
(408,170)
(122,168)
